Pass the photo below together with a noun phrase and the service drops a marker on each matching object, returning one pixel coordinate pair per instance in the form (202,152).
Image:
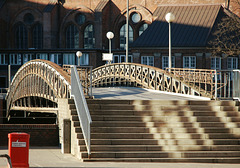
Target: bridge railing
(227,84)
(200,79)
(82,108)
(85,76)
(37,78)
(139,75)
(219,84)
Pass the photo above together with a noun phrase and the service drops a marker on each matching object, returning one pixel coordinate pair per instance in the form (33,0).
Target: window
(84,59)
(121,58)
(28,18)
(142,28)
(3,59)
(165,60)
(89,39)
(80,18)
(72,37)
(21,37)
(27,57)
(216,63)
(116,59)
(123,34)
(69,59)
(189,62)
(147,60)
(136,17)
(55,58)
(42,56)
(15,59)
(38,36)
(232,62)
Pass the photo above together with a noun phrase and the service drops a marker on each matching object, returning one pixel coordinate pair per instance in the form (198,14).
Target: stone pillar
(157,60)
(66,145)
(98,30)
(208,60)
(63,113)
(136,58)
(199,61)
(47,40)
(178,60)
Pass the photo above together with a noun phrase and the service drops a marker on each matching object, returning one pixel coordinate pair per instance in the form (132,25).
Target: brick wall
(2,109)
(40,135)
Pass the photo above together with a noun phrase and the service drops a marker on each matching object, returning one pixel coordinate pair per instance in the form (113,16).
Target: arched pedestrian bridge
(39,84)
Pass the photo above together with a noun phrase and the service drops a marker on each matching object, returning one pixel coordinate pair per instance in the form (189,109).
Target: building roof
(191,28)
(101,5)
(50,6)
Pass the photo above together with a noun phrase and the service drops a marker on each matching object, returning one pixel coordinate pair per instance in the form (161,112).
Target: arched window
(123,34)
(21,37)
(89,38)
(72,37)
(37,36)
(142,28)
(28,19)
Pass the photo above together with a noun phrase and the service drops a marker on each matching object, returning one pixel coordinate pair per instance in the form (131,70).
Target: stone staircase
(162,131)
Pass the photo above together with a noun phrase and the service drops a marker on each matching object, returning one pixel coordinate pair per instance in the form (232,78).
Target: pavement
(47,157)
(132,93)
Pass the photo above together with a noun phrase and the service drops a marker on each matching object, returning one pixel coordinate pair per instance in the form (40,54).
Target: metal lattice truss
(38,78)
(142,76)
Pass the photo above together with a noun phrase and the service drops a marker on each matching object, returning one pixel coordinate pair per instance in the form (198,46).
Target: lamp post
(79,54)
(170,18)
(127,31)
(110,36)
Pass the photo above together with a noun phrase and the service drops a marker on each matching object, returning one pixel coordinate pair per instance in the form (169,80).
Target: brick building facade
(56,29)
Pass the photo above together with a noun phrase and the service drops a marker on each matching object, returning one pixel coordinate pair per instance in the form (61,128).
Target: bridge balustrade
(139,75)
(38,78)
(85,77)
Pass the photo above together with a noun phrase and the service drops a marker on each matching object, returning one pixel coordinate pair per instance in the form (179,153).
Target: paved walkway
(132,93)
(52,157)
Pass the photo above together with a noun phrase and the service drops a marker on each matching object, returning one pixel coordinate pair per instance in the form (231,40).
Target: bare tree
(226,36)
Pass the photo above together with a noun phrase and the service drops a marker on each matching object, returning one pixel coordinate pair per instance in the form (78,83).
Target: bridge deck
(132,93)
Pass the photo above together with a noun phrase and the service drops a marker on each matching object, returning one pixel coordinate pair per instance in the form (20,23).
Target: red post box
(18,149)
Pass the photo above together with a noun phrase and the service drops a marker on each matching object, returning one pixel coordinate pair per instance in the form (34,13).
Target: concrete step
(74,112)
(160,136)
(93,107)
(163,154)
(70,101)
(165,102)
(164,124)
(167,160)
(163,130)
(162,142)
(164,118)
(72,106)
(164,113)
(99,148)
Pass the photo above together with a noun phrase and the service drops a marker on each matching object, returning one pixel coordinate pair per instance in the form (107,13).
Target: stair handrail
(82,108)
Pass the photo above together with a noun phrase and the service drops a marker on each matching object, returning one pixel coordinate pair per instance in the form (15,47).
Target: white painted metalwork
(82,108)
